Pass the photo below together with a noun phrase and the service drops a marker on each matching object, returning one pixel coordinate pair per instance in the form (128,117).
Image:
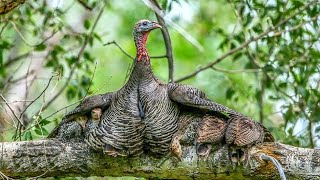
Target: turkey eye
(144,23)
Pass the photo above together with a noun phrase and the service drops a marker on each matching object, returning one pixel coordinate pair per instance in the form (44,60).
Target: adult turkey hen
(162,104)
(123,125)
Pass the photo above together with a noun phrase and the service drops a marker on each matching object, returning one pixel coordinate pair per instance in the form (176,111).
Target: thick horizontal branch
(47,158)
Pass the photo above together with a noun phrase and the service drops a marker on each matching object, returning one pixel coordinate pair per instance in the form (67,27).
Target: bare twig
(36,97)
(158,57)
(77,60)
(16,59)
(3,27)
(245,44)
(14,114)
(33,45)
(62,109)
(85,5)
(178,28)
(19,127)
(90,83)
(22,77)
(278,33)
(167,41)
(236,71)
(124,52)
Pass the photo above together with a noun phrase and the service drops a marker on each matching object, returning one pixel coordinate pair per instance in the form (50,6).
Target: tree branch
(47,158)
(252,39)
(123,51)
(167,42)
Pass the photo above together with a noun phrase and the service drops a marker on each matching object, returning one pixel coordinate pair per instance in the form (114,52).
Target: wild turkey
(162,103)
(72,124)
(122,127)
(144,114)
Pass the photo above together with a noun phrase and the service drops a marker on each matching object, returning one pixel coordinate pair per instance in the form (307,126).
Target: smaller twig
(3,27)
(14,114)
(17,101)
(6,86)
(85,5)
(36,97)
(276,164)
(4,119)
(236,71)
(15,59)
(151,4)
(33,45)
(22,77)
(62,109)
(124,52)
(90,83)
(278,33)
(167,41)
(158,57)
(31,126)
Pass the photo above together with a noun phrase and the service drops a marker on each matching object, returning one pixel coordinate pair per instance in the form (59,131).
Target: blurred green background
(274,78)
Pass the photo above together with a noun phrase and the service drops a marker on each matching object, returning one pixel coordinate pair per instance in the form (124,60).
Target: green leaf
(40,47)
(44,122)
(97,37)
(28,136)
(229,93)
(41,131)
(86,24)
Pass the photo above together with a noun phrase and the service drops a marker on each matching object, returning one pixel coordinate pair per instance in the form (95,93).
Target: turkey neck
(142,67)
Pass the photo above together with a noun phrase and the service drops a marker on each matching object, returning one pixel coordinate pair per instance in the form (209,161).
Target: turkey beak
(83,124)
(155,25)
(82,121)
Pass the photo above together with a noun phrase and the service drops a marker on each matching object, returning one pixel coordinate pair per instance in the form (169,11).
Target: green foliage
(273,77)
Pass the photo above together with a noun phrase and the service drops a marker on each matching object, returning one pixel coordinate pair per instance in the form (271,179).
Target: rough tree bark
(47,158)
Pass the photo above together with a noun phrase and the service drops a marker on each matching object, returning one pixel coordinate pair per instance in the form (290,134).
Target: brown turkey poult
(77,128)
(242,133)
(75,122)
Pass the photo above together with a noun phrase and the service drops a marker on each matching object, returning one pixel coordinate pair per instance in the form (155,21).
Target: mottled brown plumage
(90,107)
(219,124)
(241,134)
(211,129)
(125,128)
(73,130)
(243,131)
(186,133)
(147,114)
